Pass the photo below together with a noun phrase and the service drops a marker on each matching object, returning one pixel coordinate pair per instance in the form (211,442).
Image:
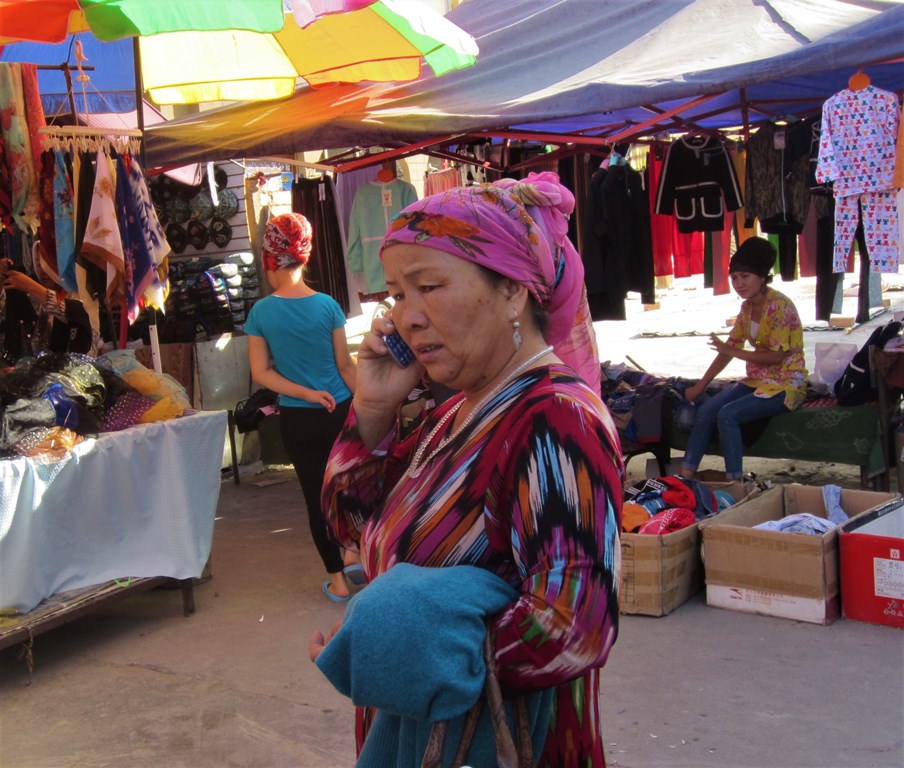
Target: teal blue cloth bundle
(411,645)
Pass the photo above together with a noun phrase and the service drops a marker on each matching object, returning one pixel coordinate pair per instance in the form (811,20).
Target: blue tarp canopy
(109,66)
(579,71)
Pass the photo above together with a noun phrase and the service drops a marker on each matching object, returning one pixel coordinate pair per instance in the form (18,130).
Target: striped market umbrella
(248,50)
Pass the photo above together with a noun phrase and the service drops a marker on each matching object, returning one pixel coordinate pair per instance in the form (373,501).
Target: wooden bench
(819,431)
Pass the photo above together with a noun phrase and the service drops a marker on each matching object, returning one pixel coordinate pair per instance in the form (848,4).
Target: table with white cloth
(126,507)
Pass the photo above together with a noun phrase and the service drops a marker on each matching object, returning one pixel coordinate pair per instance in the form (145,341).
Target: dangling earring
(516,335)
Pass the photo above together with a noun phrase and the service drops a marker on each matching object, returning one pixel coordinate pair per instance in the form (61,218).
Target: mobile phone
(399,350)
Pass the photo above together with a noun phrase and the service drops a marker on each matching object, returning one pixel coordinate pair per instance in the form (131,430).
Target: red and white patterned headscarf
(288,241)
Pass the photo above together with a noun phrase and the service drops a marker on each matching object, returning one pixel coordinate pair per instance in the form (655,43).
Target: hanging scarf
(102,243)
(63,216)
(144,245)
(45,261)
(20,163)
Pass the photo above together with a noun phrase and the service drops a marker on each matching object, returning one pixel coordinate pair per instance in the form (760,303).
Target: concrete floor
(137,685)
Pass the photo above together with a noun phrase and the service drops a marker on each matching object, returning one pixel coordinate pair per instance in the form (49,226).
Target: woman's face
(456,321)
(746,284)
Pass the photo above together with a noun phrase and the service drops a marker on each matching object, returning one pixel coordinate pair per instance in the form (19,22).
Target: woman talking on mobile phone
(517,477)
(298,349)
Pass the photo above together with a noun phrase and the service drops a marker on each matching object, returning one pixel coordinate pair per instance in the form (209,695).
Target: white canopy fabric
(602,69)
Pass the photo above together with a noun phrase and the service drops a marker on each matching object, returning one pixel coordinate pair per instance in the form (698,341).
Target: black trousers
(308,435)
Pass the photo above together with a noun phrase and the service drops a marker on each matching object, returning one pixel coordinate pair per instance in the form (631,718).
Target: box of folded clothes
(777,553)
(660,541)
(871,550)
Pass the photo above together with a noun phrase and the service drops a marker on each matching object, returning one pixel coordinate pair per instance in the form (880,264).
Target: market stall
(128,504)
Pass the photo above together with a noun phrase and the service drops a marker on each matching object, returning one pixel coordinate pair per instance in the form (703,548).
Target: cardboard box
(871,549)
(792,576)
(659,573)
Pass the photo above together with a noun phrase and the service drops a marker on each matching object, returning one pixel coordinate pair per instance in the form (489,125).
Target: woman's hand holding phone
(382,383)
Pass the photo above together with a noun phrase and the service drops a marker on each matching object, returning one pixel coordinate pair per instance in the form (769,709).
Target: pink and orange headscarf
(288,241)
(518,229)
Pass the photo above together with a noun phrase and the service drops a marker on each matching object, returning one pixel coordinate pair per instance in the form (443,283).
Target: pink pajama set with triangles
(857,154)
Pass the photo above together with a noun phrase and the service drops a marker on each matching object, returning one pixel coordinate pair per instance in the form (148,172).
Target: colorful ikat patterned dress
(531,490)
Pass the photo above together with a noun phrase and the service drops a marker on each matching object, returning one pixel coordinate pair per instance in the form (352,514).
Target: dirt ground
(136,685)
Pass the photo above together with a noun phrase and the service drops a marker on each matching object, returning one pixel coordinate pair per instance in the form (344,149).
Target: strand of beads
(419,462)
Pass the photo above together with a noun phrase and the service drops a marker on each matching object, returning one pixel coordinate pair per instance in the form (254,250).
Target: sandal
(333,596)
(355,574)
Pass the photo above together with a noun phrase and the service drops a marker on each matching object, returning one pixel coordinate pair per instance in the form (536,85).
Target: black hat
(176,237)
(198,235)
(177,210)
(755,255)
(220,178)
(220,232)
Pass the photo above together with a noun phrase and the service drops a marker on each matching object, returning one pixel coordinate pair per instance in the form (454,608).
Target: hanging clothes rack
(88,131)
(105,134)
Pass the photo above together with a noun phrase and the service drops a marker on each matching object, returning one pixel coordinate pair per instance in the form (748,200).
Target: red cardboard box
(871,548)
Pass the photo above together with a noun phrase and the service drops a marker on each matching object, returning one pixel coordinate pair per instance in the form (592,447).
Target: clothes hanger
(783,120)
(858,81)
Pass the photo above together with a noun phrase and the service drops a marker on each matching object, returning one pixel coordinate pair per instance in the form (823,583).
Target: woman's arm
(758,356)
(43,297)
(565,512)
(356,478)
(344,361)
(715,368)
(267,376)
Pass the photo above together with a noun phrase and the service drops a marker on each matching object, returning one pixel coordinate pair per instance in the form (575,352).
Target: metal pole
(139,99)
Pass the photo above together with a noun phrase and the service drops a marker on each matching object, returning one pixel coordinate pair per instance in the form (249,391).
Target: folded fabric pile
(803,522)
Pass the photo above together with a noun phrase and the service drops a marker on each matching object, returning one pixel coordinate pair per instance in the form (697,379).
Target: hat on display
(228,204)
(219,177)
(201,206)
(177,209)
(198,235)
(177,237)
(185,191)
(220,232)
(160,209)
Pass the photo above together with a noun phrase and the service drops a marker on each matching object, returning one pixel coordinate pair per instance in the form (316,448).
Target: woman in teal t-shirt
(297,348)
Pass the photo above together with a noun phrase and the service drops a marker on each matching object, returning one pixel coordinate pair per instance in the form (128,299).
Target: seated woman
(776,372)
(519,473)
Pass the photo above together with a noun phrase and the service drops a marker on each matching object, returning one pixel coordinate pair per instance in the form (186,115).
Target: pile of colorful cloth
(666,504)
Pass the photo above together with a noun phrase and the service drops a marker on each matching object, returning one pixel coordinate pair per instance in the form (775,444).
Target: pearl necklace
(419,462)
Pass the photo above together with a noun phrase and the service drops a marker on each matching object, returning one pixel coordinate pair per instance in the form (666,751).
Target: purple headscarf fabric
(518,229)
